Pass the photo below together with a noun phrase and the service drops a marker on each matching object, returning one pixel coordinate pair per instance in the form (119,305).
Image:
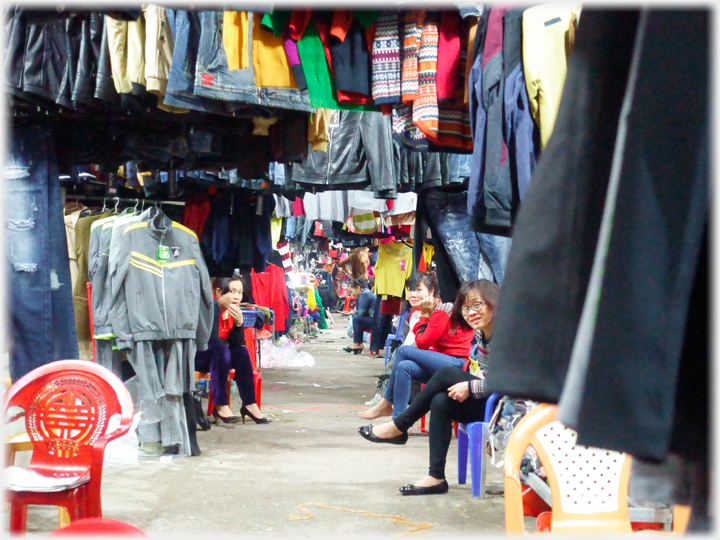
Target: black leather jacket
(360,151)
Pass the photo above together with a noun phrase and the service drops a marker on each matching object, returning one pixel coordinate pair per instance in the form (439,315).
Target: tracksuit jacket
(155,299)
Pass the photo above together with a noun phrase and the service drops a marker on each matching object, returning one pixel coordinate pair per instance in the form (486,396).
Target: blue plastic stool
(396,336)
(470,436)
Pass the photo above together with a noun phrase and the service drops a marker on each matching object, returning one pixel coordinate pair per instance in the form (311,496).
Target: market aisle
(251,478)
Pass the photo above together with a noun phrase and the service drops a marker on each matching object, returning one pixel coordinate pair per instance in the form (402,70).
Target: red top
(225,327)
(440,337)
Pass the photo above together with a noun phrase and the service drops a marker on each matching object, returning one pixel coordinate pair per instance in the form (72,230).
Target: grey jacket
(360,151)
(101,235)
(154,299)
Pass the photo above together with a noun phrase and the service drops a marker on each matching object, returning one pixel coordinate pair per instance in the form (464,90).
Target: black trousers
(443,411)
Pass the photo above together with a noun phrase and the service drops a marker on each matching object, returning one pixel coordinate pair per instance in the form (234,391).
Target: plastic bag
(284,354)
(123,450)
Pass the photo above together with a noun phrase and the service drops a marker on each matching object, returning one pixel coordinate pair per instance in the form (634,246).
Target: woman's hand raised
(236,313)
(427,306)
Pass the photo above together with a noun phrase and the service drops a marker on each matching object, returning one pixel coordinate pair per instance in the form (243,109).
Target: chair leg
(474,433)
(257,375)
(63,517)
(462,442)
(211,405)
(18,518)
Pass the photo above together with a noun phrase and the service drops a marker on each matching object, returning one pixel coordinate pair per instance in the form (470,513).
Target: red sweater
(440,337)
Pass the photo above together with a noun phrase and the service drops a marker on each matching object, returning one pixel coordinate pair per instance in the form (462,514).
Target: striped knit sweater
(425,106)
(386,87)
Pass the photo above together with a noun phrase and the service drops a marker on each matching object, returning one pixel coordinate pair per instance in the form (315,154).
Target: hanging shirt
(393,268)
(545,51)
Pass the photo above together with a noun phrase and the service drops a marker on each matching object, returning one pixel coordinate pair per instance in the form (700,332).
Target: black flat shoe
(366,432)
(439,489)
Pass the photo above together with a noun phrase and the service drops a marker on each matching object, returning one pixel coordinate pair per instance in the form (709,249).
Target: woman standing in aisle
(451,394)
(226,350)
(442,338)
(358,262)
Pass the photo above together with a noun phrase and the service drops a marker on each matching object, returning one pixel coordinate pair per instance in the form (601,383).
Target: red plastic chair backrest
(98,527)
(67,405)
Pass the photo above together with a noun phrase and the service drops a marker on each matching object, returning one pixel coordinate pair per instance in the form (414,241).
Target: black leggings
(443,411)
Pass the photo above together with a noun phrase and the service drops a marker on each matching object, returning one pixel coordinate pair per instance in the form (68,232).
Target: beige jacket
(141,52)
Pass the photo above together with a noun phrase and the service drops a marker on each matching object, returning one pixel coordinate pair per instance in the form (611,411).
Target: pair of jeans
(359,326)
(451,224)
(443,411)
(218,360)
(411,364)
(42,318)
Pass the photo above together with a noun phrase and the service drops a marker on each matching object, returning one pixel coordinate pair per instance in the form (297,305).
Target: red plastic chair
(67,407)
(98,527)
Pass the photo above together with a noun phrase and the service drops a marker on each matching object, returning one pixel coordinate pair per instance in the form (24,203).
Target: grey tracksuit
(156,300)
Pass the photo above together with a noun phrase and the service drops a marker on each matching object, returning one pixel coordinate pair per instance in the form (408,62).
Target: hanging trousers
(443,411)
(218,360)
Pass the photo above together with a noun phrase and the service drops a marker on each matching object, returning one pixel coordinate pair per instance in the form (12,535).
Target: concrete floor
(250,479)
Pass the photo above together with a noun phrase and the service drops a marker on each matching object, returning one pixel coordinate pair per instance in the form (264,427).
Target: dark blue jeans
(42,319)
(359,326)
(218,360)
(451,224)
(416,364)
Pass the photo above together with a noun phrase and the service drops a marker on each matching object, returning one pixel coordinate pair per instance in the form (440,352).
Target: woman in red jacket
(442,338)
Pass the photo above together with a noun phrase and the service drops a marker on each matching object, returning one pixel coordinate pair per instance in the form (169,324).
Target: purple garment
(291,51)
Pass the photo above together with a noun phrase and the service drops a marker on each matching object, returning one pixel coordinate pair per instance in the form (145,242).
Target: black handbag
(203,422)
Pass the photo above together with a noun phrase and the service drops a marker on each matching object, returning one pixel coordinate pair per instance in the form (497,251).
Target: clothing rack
(122,199)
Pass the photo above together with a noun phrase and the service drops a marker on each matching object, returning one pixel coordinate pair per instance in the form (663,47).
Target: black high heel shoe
(226,419)
(244,412)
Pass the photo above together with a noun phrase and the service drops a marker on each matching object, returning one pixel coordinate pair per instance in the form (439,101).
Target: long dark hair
(489,291)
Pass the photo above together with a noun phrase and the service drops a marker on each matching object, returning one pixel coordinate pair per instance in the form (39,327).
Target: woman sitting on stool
(226,350)
(362,317)
(451,394)
(443,329)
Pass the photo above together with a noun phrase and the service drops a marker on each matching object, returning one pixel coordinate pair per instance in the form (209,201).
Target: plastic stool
(349,302)
(472,437)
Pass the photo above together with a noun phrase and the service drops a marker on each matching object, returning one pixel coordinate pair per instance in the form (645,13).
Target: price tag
(334,119)
(163,254)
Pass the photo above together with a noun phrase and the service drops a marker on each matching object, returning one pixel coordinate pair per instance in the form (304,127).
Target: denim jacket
(214,79)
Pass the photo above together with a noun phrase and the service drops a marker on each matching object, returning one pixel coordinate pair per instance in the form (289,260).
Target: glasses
(477,306)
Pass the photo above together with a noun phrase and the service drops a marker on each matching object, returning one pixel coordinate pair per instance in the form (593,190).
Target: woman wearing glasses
(451,394)
(443,338)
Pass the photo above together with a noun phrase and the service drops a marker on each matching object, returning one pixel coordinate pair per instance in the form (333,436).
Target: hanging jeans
(450,223)
(218,360)
(411,364)
(443,411)
(41,315)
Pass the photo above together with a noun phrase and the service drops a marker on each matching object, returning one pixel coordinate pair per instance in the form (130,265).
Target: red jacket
(441,337)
